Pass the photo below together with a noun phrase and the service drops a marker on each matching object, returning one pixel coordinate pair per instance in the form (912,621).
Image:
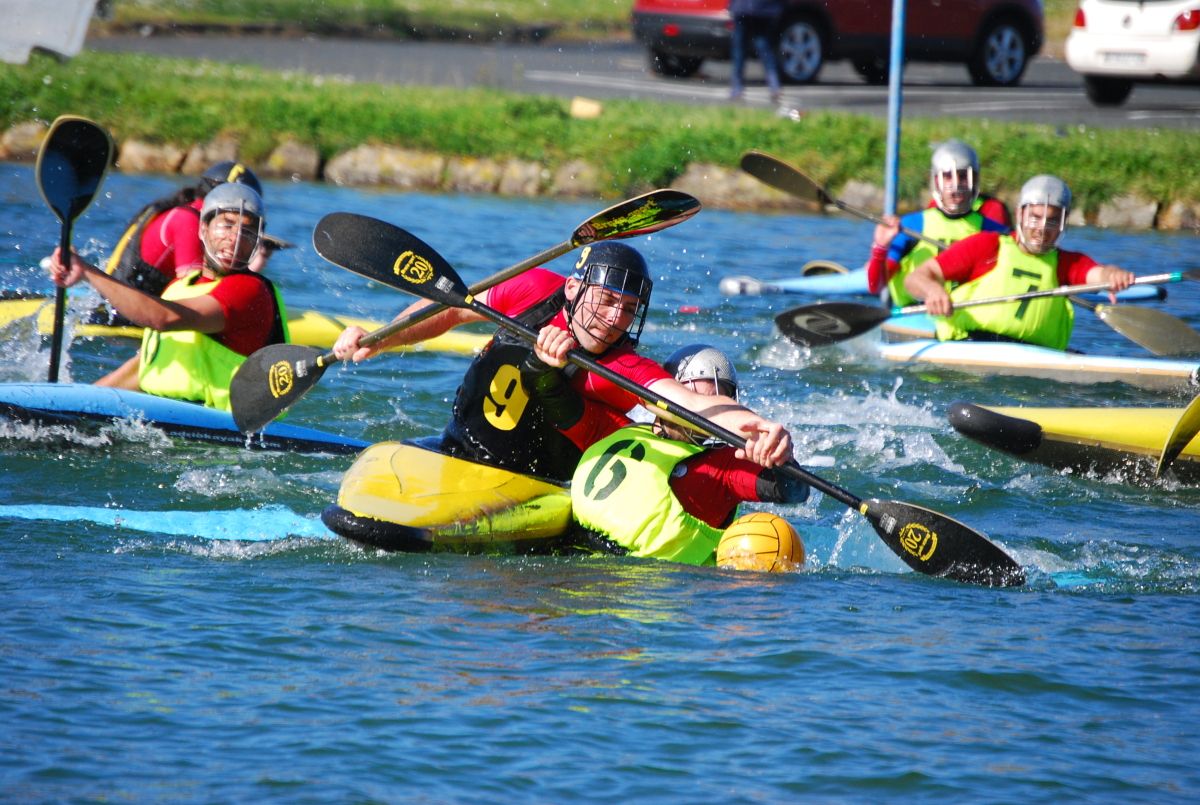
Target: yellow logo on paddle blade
(413,268)
(280,378)
(918,540)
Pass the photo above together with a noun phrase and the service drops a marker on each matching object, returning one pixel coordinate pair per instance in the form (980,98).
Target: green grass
(636,145)
(486,18)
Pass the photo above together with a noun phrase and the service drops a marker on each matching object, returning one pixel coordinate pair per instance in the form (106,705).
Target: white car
(1117,43)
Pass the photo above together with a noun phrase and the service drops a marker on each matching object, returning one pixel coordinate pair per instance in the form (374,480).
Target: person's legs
(764,36)
(738,56)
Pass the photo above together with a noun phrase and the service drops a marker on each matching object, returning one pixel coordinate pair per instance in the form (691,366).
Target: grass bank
(635,145)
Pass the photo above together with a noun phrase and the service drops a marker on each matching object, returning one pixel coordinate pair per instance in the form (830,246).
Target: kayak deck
(1125,441)
(401,496)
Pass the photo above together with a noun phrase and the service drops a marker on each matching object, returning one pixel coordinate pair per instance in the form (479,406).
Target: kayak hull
(308,328)
(1025,360)
(404,496)
(1125,442)
(73,404)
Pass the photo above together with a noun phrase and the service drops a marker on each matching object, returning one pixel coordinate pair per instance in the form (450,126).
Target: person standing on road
(757,22)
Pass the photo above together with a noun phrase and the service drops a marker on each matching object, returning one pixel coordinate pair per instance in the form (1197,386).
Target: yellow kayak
(401,496)
(308,328)
(1126,442)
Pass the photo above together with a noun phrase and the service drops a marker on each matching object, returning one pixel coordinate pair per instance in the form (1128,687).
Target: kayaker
(991,264)
(956,210)
(206,322)
(662,490)
(601,308)
(162,242)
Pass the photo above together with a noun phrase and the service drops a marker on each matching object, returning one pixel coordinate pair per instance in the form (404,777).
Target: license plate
(1124,57)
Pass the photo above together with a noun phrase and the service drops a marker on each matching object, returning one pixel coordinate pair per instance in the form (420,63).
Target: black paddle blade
(386,253)
(776,173)
(829,322)
(71,165)
(647,213)
(271,380)
(936,545)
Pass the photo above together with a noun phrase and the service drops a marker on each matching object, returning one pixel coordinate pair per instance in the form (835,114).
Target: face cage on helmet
(623,282)
(238,265)
(724,385)
(972,190)
(1062,227)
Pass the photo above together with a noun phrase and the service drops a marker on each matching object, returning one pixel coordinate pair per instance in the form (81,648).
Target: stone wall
(405,169)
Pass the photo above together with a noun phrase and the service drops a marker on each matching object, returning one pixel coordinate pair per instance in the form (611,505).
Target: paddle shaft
(60,306)
(1065,290)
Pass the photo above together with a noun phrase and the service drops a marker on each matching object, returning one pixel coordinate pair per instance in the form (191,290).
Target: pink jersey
(171,241)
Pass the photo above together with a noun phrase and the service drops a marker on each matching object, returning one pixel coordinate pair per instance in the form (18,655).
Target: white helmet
(702,362)
(1050,191)
(954,166)
(242,199)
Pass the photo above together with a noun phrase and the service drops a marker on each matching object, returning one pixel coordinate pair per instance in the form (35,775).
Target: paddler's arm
(1118,279)
(768,443)
(346,347)
(201,313)
(927,283)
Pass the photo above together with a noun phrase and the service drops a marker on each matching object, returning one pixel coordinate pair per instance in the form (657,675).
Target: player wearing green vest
(956,211)
(659,490)
(206,323)
(990,264)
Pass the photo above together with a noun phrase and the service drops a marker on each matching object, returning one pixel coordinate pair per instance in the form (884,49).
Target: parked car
(1117,43)
(995,39)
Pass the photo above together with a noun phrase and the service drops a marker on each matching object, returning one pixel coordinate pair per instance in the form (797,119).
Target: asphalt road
(1050,93)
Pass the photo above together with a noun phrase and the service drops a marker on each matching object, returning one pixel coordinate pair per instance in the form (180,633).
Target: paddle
(1180,436)
(825,323)
(70,168)
(272,379)
(1160,333)
(927,541)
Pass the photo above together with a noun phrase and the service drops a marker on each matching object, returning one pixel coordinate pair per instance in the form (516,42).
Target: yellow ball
(760,541)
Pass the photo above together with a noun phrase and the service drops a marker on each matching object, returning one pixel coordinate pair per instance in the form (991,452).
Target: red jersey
(249,308)
(171,241)
(975,256)
(711,484)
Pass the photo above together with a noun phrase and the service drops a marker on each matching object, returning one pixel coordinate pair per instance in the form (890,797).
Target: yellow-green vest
(622,489)
(1046,322)
(187,364)
(937,225)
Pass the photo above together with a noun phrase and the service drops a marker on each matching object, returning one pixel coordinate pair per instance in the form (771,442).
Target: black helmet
(230,171)
(619,268)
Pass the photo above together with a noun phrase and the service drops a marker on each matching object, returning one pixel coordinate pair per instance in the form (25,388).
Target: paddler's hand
(553,345)
(885,233)
(1117,278)
(346,347)
(64,276)
(768,444)
(937,301)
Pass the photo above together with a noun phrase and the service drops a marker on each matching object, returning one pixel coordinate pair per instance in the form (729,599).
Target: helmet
(702,362)
(1050,191)
(230,171)
(951,160)
(239,198)
(619,268)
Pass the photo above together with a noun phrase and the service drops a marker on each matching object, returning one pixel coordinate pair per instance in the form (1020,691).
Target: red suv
(994,38)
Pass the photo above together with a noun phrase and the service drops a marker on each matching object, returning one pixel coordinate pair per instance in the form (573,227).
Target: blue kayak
(854,283)
(78,403)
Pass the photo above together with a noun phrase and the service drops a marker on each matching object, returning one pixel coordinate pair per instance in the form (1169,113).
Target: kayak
(308,328)
(74,404)
(1122,441)
(1026,360)
(854,283)
(408,496)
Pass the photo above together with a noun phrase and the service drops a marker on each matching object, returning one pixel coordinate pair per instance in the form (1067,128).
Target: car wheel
(873,69)
(1001,57)
(1107,91)
(673,65)
(801,51)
